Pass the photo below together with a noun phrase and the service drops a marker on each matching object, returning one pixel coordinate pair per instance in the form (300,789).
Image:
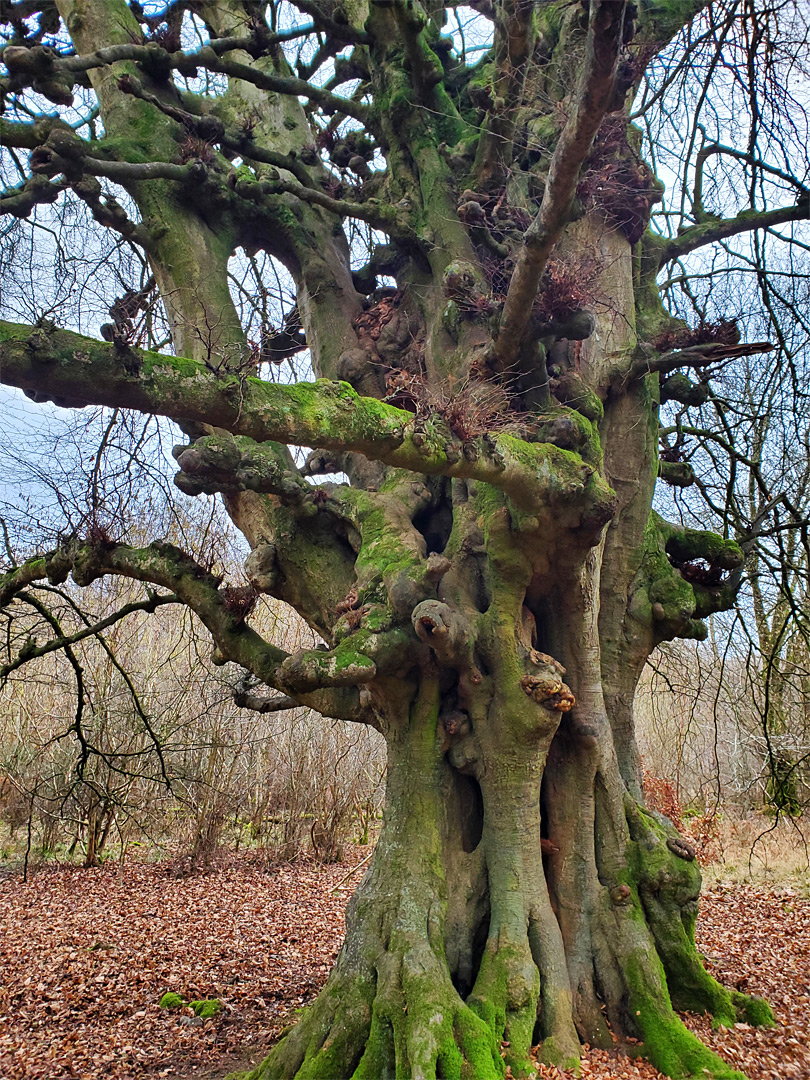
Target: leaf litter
(87,955)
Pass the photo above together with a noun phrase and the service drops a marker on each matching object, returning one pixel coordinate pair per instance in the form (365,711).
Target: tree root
(390,1008)
(668,889)
(505,997)
(407,1023)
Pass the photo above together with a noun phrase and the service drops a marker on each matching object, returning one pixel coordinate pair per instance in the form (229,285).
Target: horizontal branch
(60,150)
(27,136)
(74,371)
(722,229)
(64,152)
(212,130)
(261,704)
(130,172)
(696,356)
(719,150)
(27,66)
(380,215)
(18,578)
(164,565)
(277,84)
(36,191)
(152,52)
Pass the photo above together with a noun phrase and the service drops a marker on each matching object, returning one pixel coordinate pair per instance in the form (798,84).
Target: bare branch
(167,566)
(717,149)
(92,630)
(721,229)
(697,356)
(594,98)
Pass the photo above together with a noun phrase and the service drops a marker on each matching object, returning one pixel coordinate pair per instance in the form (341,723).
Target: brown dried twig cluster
(470,407)
(568,285)
(722,332)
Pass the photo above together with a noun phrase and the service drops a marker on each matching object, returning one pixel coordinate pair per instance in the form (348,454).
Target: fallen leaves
(758,941)
(87,955)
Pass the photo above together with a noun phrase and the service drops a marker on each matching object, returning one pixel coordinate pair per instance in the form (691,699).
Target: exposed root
(505,996)
(645,935)
(329,1038)
(407,1021)
(666,1041)
(668,890)
(390,1008)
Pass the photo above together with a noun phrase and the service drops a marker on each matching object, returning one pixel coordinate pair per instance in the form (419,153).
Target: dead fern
(617,182)
(239,600)
(568,285)
(193,148)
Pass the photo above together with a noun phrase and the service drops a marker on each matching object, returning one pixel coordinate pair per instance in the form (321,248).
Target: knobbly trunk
(519,894)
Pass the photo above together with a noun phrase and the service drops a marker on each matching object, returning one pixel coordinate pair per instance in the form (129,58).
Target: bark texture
(490,584)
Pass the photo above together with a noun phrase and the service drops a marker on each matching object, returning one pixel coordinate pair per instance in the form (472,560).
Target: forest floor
(86,955)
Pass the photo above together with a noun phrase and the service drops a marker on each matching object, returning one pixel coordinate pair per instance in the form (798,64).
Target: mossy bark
(520,895)
(486,926)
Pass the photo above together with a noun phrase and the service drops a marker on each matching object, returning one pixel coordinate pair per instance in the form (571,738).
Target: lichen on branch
(72,370)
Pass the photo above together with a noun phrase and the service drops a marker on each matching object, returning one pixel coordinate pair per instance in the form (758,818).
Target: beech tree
(482,563)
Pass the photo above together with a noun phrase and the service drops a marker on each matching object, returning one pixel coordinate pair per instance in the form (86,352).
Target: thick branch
(152,52)
(209,128)
(37,190)
(376,213)
(696,356)
(331,103)
(27,136)
(594,99)
(164,565)
(20,577)
(261,704)
(66,153)
(343,703)
(27,66)
(748,221)
(75,371)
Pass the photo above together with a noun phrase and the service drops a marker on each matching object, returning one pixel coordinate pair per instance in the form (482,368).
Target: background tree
(165,757)
(489,384)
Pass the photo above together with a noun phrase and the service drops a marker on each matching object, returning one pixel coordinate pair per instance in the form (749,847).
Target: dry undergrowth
(85,956)
(759,851)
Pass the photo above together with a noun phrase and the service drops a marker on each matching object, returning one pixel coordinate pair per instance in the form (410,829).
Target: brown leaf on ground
(86,955)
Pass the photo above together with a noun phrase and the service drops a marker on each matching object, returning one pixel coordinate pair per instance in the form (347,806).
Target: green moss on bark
(668,890)
(667,1042)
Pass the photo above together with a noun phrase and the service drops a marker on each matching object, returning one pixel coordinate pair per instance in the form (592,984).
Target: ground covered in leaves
(86,956)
